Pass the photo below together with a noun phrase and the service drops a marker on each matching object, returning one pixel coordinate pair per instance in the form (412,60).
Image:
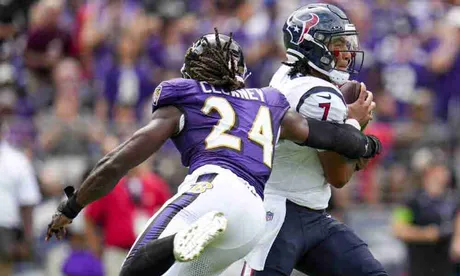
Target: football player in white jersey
(322,50)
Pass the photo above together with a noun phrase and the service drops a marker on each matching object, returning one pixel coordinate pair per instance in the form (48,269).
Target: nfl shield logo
(269,216)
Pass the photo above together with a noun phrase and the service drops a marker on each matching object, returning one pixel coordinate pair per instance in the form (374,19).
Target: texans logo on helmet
(297,35)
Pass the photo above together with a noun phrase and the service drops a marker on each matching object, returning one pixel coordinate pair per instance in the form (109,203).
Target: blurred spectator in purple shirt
(444,62)
(127,83)
(102,21)
(166,49)
(82,263)
(402,60)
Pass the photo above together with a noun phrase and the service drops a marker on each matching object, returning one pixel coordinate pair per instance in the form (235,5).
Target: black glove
(374,146)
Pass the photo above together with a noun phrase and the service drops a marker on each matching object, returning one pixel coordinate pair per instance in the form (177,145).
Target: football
(350,91)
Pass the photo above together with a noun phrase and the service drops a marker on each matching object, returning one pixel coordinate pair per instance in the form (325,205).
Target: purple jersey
(236,130)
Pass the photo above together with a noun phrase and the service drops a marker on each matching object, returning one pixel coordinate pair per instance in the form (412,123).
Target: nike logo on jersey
(328,97)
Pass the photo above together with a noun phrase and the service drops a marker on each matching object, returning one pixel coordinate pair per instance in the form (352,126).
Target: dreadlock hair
(301,66)
(212,65)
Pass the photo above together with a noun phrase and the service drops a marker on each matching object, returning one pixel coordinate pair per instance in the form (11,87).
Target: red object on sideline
(115,213)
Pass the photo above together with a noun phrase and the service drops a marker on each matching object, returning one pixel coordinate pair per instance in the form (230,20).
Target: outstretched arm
(113,166)
(341,138)
(146,141)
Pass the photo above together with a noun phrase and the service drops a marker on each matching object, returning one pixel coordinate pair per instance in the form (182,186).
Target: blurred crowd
(76,78)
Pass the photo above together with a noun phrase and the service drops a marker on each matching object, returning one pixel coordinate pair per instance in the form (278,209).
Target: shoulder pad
(274,97)
(171,91)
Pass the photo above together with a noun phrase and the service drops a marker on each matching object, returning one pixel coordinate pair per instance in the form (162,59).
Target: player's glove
(70,208)
(374,146)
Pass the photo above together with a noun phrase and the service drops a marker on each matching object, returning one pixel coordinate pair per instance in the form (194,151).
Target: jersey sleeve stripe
(318,89)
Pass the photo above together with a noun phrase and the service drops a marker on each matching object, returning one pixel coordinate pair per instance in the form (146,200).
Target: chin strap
(336,76)
(339,77)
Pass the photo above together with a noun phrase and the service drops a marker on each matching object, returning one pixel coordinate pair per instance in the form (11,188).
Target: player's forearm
(103,178)
(111,168)
(337,169)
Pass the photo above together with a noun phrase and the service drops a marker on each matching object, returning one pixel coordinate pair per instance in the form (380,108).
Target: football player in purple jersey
(226,135)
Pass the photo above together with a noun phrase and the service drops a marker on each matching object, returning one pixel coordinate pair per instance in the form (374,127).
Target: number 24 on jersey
(261,131)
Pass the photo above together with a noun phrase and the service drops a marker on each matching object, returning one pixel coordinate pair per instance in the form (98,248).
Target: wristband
(374,146)
(354,123)
(71,208)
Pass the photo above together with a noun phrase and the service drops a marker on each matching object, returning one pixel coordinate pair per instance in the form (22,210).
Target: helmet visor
(344,48)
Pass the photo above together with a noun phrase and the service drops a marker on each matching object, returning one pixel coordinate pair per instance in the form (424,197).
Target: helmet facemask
(338,55)
(346,48)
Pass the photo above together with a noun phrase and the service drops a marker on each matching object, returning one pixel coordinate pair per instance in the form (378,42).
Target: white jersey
(297,172)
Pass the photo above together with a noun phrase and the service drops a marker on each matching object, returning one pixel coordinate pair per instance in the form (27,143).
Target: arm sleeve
(341,138)
(322,103)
